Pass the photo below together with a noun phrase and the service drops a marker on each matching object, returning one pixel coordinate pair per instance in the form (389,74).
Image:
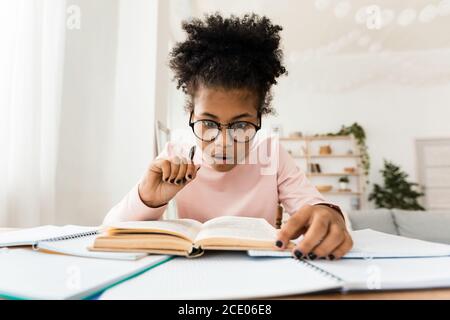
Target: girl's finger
(181,171)
(174,167)
(165,168)
(191,172)
(333,239)
(162,167)
(313,236)
(343,248)
(294,227)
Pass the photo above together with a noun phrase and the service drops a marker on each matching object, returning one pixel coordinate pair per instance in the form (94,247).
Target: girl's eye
(240,125)
(209,124)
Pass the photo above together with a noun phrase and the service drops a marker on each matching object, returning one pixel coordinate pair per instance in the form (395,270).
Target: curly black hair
(232,53)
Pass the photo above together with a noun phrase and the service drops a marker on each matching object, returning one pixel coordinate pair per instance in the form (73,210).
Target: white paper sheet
(373,244)
(386,274)
(223,275)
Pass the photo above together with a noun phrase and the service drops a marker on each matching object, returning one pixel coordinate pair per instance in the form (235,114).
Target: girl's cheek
(207,147)
(241,150)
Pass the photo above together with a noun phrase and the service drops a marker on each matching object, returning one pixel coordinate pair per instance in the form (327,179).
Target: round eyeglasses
(239,131)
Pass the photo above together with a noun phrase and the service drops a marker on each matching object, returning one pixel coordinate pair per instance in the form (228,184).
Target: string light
(406,17)
(402,69)
(428,13)
(375,17)
(342,9)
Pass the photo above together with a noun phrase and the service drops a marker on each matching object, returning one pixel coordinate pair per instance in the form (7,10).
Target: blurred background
(83,82)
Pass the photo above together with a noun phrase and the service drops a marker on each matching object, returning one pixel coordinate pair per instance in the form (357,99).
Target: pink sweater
(252,189)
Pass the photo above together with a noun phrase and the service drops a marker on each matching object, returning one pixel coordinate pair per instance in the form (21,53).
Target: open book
(188,237)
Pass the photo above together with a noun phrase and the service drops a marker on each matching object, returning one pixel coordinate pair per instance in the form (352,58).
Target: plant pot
(343,185)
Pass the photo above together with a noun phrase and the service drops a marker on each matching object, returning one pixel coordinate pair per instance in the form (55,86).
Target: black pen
(191,156)
(192,153)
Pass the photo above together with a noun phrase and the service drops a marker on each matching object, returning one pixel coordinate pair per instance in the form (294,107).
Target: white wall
(107,125)
(86,117)
(132,135)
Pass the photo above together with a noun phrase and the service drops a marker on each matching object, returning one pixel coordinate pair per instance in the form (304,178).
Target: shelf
(328,156)
(343,193)
(316,138)
(303,149)
(310,174)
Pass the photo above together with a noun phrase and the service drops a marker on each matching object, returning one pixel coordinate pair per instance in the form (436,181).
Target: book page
(243,228)
(224,275)
(183,228)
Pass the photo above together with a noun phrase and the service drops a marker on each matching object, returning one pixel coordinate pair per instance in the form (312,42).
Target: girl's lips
(219,157)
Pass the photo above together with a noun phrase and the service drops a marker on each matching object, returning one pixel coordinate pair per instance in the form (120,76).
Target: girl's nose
(224,139)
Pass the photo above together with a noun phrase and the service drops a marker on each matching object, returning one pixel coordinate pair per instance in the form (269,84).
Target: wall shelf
(316,138)
(343,193)
(329,156)
(305,149)
(314,174)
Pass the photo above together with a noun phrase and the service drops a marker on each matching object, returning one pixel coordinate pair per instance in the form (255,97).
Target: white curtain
(32,36)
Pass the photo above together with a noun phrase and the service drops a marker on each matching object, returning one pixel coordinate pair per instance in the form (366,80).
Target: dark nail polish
(312,256)
(172,181)
(279,244)
(178,181)
(189,176)
(331,257)
(298,254)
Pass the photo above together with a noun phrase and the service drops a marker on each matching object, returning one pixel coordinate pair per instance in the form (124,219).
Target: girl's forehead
(225,103)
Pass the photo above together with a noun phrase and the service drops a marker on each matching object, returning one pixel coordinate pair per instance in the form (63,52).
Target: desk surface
(437,294)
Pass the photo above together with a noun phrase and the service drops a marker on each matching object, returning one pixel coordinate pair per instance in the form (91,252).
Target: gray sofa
(425,225)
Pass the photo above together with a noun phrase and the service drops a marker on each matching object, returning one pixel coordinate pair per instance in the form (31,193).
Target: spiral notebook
(29,274)
(69,240)
(235,275)
(226,275)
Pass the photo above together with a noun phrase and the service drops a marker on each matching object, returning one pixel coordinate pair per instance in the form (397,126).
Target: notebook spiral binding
(68,237)
(320,270)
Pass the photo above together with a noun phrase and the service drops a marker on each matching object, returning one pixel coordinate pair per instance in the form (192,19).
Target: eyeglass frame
(227,126)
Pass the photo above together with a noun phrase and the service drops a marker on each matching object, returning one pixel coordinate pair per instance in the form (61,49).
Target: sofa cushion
(375,219)
(425,225)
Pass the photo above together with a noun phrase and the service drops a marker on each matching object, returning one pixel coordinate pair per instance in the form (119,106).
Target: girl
(226,67)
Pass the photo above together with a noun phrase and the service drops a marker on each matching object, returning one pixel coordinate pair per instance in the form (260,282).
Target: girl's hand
(164,178)
(325,234)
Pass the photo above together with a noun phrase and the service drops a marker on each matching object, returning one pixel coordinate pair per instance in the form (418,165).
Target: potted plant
(359,134)
(396,192)
(343,183)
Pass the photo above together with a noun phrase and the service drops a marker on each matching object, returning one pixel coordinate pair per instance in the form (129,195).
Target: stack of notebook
(52,262)
(74,262)
(378,261)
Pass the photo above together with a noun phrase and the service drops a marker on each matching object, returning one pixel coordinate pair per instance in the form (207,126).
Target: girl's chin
(223,167)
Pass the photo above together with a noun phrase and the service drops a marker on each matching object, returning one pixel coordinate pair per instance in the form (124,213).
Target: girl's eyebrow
(207,114)
(244,115)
